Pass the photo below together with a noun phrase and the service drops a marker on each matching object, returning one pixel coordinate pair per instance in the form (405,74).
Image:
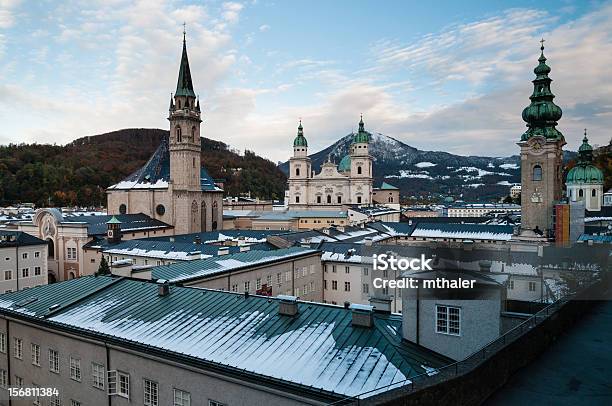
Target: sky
(452,77)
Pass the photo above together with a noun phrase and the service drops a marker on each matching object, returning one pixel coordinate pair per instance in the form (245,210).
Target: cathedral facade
(541,157)
(349,183)
(173,186)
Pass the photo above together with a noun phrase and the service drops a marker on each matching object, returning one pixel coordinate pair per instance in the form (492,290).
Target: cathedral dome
(300,140)
(584,174)
(345,164)
(362,136)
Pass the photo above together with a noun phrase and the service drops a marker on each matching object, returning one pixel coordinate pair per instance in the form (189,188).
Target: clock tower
(541,157)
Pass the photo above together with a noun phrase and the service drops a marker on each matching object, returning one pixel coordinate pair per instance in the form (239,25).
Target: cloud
(264,28)
(231,11)
(7,16)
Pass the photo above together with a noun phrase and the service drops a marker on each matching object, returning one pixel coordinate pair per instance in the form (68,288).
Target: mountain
(78,173)
(429,174)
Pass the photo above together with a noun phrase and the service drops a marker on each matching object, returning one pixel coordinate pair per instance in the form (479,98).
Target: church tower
(184,142)
(541,156)
(361,167)
(299,170)
(585,181)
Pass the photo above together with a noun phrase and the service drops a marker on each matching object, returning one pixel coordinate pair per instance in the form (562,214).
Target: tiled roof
(196,269)
(9,238)
(318,351)
(155,174)
(96,225)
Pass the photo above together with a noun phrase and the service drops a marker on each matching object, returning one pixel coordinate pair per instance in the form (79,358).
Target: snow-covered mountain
(419,173)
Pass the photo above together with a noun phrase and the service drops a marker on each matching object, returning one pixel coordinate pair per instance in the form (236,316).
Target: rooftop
(9,238)
(97,225)
(318,350)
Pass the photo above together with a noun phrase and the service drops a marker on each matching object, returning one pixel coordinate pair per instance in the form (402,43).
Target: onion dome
(300,140)
(542,114)
(345,164)
(585,172)
(362,135)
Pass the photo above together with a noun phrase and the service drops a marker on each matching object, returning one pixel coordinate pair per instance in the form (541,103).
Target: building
(366,214)
(348,183)
(173,186)
(607,199)
(246,203)
(482,209)
(585,181)
(66,237)
(23,261)
(515,191)
(541,158)
(118,341)
(387,195)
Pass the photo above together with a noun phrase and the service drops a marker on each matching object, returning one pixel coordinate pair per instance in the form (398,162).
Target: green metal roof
(386,186)
(113,220)
(300,140)
(345,164)
(585,172)
(202,268)
(317,352)
(542,114)
(184,85)
(362,136)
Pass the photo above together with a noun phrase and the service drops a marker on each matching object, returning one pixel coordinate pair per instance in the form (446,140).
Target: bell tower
(299,171)
(184,142)
(361,167)
(541,157)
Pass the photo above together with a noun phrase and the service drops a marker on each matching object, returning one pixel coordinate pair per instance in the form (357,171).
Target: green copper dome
(362,136)
(300,140)
(542,114)
(345,164)
(585,172)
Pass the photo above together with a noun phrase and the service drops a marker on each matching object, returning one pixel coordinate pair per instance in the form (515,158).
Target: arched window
(339,199)
(215,213)
(359,170)
(71,275)
(580,193)
(537,172)
(390,199)
(194,216)
(203,223)
(179,138)
(122,209)
(50,248)
(193,162)
(297,171)
(594,193)
(328,199)
(318,199)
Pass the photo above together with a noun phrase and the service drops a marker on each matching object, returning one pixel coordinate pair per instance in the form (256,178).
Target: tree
(103,269)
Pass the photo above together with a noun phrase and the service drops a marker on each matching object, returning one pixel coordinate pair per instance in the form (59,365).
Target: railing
(468,364)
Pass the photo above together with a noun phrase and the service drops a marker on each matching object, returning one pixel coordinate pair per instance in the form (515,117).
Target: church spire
(184,85)
(362,135)
(300,140)
(586,150)
(542,114)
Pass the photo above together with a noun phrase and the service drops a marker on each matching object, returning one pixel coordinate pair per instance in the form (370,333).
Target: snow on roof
(424,164)
(318,350)
(463,231)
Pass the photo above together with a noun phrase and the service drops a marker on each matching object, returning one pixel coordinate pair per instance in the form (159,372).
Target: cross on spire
(542,41)
(184,30)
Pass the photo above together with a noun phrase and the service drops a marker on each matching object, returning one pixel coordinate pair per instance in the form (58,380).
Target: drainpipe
(8,356)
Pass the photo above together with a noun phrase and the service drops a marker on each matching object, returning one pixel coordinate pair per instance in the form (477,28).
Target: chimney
(163,288)
(380,304)
(245,248)
(362,315)
(223,251)
(287,305)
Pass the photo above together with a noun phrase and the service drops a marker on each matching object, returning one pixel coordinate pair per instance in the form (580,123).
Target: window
(181,398)
(53,361)
(35,349)
(580,193)
(359,170)
(25,272)
(269,280)
(24,255)
(594,193)
(339,199)
(179,138)
(366,288)
(160,210)
(334,268)
(318,199)
(151,393)
(297,171)
(8,275)
(279,277)
(18,348)
(75,369)
(55,401)
(537,172)
(74,402)
(366,270)
(36,400)
(235,287)
(71,254)
(347,269)
(215,403)
(37,270)
(122,210)
(119,383)
(247,286)
(358,199)
(328,199)
(510,285)
(347,286)
(3,378)
(334,285)
(448,320)
(325,284)
(97,375)
(532,286)
(3,343)
(297,199)
(37,254)
(18,381)
(258,284)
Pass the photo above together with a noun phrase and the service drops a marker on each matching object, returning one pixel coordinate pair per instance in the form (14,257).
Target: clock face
(537,145)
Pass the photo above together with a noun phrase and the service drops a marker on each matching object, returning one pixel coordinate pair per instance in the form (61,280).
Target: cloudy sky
(453,77)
